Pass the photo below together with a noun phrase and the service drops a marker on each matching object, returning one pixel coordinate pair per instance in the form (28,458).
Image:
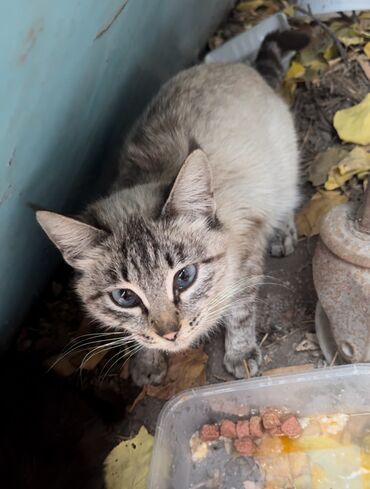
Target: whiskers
(97,343)
(237,295)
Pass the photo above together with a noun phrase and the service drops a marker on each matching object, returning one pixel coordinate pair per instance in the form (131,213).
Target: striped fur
(226,201)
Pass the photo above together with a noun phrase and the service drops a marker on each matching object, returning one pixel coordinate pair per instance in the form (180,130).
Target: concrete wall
(70,71)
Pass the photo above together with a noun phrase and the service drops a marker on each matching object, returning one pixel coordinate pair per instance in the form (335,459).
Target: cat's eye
(185,277)
(125,298)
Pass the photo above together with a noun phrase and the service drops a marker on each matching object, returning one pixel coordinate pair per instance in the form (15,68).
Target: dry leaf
(357,162)
(347,34)
(296,70)
(127,465)
(353,124)
(367,49)
(185,370)
(250,6)
(308,219)
(88,360)
(289,11)
(322,164)
(331,53)
(61,365)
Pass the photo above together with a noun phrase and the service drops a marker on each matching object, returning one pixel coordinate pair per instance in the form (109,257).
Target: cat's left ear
(192,192)
(72,237)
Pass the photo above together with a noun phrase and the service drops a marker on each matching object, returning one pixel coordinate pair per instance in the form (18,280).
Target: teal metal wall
(69,71)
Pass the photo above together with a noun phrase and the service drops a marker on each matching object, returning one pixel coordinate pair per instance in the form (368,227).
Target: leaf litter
(127,466)
(328,88)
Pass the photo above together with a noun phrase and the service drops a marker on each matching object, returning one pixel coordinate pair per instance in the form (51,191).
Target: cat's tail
(269,58)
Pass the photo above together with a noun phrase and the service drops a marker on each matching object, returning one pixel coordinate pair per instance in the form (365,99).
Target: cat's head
(159,275)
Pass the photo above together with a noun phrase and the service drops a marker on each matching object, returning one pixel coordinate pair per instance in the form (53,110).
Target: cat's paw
(148,367)
(242,366)
(285,240)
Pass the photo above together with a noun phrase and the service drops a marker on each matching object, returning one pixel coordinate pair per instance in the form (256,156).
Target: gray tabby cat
(207,175)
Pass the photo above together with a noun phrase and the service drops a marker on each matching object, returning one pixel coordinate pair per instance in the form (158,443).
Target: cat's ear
(72,237)
(192,192)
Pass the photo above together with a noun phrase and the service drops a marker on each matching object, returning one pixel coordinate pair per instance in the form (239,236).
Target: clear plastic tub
(333,390)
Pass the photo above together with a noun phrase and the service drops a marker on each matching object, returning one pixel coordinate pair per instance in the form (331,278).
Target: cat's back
(244,127)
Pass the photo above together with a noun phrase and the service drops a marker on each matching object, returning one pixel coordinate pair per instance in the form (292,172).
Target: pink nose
(170,336)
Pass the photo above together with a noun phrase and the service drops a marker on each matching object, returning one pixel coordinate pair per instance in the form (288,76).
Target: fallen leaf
(250,5)
(308,219)
(289,11)
(88,360)
(185,370)
(322,164)
(347,34)
(296,70)
(331,53)
(357,162)
(367,49)
(127,465)
(61,365)
(353,124)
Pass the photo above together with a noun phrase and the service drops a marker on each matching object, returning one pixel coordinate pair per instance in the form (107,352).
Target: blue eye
(125,298)
(185,277)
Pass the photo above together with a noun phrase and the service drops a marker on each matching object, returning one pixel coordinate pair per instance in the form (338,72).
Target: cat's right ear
(192,192)
(72,237)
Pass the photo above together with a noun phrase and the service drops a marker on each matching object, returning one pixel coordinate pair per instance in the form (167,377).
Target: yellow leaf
(367,49)
(289,11)
(185,370)
(357,162)
(250,5)
(331,52)
(346,34)
(308,219)
(296,70)
(323,163)
(353,124)
(127,465)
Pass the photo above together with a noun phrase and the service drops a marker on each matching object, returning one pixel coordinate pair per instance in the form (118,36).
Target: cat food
(290,427)
(228,429)
(242,429)
(245,446)
(255,427)
(279,450)
(209,432)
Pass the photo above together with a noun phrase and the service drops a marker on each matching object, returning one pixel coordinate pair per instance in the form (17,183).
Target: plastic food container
(333,390)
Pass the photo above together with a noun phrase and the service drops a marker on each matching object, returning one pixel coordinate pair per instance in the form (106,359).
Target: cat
(207,176)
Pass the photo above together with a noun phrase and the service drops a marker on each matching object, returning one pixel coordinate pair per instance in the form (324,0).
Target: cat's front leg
(242,354)
(149,366)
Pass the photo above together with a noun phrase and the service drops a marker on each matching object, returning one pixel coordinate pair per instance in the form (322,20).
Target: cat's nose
(170,336)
